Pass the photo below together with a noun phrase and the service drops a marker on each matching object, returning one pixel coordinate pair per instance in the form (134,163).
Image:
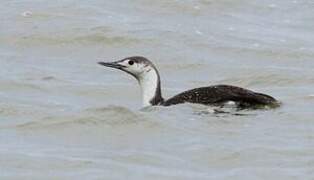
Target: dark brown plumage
(220,94)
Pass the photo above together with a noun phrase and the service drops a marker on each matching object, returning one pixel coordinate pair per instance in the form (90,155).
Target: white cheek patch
(138,68)
(134,68)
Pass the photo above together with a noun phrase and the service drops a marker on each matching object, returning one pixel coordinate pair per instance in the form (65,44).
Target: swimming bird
(148,77)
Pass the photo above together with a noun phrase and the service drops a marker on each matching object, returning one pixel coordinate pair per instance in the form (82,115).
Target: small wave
(14,85)
(80,39)
(111,116)
(48,78)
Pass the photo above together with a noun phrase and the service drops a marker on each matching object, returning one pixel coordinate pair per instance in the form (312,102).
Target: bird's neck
(150,86)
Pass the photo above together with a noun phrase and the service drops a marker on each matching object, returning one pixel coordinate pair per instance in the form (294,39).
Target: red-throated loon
(148,77)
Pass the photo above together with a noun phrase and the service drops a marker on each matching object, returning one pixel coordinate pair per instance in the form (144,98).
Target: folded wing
(219,94)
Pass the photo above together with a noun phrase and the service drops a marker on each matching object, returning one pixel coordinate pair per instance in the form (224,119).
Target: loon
(218,95)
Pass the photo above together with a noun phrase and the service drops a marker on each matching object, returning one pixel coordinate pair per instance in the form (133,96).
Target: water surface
(65,117)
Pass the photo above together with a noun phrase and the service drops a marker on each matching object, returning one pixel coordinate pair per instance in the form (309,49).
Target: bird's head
(146,74)
(137,66)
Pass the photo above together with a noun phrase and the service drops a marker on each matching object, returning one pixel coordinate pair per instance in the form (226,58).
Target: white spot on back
(230,103)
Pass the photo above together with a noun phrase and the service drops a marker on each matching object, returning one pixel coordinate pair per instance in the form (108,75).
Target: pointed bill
(112,64)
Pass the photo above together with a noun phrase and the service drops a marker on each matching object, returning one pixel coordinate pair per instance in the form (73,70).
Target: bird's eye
(131,62)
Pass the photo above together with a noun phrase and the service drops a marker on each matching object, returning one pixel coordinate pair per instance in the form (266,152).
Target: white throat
(148,81)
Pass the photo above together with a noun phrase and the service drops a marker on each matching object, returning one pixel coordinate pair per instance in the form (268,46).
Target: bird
(147,75)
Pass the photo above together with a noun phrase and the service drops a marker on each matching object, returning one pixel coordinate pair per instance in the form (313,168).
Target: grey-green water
(62,116)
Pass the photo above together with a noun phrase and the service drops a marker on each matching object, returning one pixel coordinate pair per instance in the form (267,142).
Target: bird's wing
(219,94)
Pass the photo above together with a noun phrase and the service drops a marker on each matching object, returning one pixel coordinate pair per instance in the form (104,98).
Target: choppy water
(65,117)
